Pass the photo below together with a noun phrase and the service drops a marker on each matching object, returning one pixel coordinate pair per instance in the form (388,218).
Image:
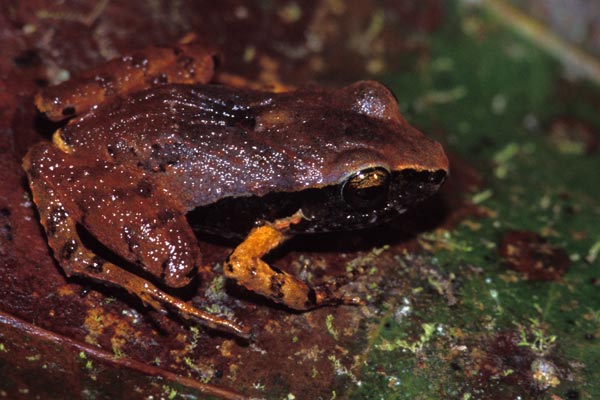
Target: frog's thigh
(76,259)
(247,268)
(138,221)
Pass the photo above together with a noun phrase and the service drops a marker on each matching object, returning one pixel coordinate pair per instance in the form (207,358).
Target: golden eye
(367,189)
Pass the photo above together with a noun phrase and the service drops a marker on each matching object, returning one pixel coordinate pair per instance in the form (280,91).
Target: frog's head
(382,167)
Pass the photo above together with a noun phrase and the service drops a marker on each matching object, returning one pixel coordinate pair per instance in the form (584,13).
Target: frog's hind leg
(247,268)
(59,221)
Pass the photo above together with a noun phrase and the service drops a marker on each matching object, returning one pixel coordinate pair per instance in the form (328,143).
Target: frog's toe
(327,295)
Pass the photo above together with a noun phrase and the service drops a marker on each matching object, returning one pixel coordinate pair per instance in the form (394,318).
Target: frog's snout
(437,177)
(412,186)
(423,178)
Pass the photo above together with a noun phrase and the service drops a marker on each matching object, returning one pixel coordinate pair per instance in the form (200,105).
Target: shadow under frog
(136,159)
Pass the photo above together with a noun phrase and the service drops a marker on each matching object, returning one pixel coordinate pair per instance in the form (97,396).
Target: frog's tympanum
(144,148)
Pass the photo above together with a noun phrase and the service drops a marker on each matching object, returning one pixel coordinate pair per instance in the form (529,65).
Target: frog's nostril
(437,177)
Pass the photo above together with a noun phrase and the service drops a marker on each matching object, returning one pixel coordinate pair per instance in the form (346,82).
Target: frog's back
(208,142)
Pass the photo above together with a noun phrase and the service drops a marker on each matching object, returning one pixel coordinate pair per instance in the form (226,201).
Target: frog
(141,149)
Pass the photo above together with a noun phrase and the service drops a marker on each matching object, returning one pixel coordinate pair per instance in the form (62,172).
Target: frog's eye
(367,188)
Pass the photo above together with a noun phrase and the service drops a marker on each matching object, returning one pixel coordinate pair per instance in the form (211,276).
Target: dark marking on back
(276,285)
(33,172)
(228,265)
(311,298)
(110,150)
(27,59)
(97,264)
(68,111)
(66,138)
(185,61)
(131,239)
(68,249)
(165,216)
(119,193)
(144,188)
(6,231)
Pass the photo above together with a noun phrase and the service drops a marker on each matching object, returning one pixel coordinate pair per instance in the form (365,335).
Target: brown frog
(147,147)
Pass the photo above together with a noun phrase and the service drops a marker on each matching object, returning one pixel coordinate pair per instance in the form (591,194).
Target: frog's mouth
(324,209)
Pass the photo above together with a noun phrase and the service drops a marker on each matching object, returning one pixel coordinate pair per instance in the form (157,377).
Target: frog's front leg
(51,174)
(246,267)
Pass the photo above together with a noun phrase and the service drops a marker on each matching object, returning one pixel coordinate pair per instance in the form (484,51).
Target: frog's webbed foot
(246,267)
(59,218)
